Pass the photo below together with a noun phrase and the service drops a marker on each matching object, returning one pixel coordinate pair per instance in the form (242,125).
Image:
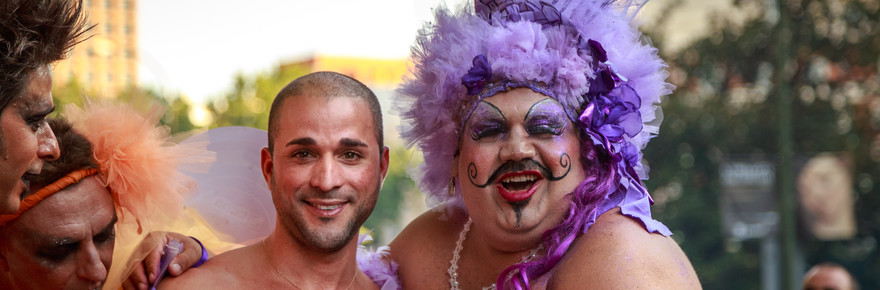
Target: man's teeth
(520,178)
(328,207)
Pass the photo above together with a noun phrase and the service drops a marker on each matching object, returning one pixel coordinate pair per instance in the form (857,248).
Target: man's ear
(384,162)
(266,165)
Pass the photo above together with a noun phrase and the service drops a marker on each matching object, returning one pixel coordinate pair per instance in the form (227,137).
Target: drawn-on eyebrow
(348,142)
(305,141)
(496,109)
(538,113)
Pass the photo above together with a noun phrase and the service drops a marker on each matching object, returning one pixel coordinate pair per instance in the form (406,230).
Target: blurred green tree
(724,105)
(384,220)
(250,98)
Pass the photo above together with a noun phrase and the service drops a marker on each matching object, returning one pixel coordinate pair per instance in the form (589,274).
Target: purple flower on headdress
(597,51)
(630,154)
(477,76)
(603,83)
(616,114)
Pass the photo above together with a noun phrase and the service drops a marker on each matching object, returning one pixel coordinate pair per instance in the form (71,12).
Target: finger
(192,252)
(134,285)
(138,276)
(152,261)
(127,285)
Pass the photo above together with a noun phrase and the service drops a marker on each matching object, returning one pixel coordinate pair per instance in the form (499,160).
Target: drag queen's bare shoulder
(617,253)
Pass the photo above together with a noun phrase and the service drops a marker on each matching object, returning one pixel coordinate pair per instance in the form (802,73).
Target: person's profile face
(327,169)
(64,242)
(25,138)
(519,157)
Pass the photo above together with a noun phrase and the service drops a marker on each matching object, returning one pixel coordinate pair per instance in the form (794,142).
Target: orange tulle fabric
(32,200)
(138,163)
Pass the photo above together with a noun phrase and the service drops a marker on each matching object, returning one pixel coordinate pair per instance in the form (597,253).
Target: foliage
(384,220)
(249,100)
(725,105)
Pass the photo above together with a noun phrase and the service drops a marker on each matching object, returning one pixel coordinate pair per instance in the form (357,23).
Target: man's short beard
(327,244)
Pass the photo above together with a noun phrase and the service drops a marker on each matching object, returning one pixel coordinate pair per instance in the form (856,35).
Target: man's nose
(326,175)
(517,146)
(47,144)
(90,267)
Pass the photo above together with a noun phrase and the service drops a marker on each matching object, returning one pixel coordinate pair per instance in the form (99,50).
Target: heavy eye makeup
(486,121)
(56,250)
(546,117)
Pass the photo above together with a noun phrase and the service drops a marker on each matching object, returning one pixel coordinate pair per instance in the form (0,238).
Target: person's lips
(326,208)
(518,186)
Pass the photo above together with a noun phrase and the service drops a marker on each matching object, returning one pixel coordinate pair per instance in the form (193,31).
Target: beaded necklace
(453,264)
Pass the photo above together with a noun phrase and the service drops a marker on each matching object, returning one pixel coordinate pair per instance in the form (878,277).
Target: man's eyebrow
(48,240)
(348,142)
(110,225)
(305,141)
(46,111)
(38,106)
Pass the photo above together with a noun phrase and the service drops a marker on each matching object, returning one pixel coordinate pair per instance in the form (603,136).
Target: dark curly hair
(35,33)
(76,153)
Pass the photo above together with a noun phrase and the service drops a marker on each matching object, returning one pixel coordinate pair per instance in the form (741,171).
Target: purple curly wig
(585,54)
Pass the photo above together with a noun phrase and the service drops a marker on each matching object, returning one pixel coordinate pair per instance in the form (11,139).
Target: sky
(196,47)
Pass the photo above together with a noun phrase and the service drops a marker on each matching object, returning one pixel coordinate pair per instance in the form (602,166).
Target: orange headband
(62,183)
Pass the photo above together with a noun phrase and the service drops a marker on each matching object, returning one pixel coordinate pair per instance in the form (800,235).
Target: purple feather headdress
(585,54)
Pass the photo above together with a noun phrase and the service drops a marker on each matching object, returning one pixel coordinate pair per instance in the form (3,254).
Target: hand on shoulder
(618,253)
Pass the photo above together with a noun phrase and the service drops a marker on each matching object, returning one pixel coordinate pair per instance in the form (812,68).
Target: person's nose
(91,267)
(47,144)
(517,146)
(326,175)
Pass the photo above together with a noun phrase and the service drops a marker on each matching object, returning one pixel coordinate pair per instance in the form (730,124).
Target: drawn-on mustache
(520,165)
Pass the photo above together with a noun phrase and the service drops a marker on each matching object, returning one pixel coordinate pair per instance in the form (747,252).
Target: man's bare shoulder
(618,253)
(235,269)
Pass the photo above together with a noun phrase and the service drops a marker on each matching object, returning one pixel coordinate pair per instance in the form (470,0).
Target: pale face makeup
(519,157)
